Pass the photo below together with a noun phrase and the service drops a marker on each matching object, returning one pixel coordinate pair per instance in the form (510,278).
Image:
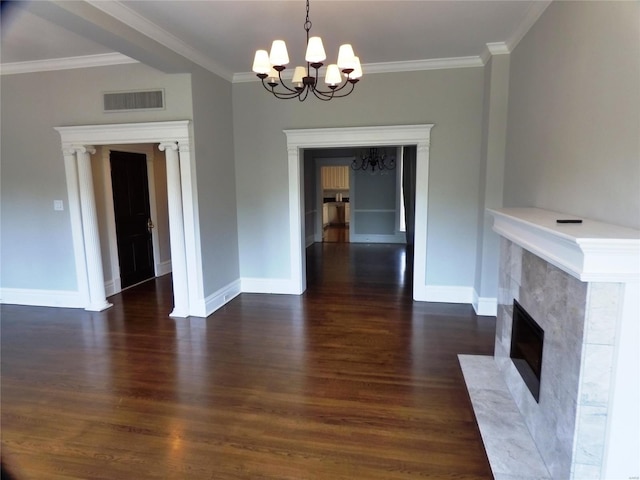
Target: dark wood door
(133,216)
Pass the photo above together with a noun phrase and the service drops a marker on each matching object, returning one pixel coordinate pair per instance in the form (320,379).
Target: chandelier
(374,161)
(269,68)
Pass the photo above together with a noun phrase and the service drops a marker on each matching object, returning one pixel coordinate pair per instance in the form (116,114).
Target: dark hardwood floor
(352,380)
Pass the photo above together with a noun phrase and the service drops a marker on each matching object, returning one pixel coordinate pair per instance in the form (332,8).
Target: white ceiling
(223,35)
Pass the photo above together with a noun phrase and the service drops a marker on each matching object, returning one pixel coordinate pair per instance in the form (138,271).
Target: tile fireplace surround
(581,283)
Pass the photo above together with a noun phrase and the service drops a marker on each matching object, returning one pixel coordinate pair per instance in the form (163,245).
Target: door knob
(149,225)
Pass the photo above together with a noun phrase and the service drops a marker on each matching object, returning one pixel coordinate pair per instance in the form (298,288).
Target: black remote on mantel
(569,220)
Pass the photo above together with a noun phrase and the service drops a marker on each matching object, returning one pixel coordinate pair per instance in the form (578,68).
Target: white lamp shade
(357,69)
(298,74)
(261,62)
(346,57)
(273,75)
(315,51)
(279,55)
(333,75)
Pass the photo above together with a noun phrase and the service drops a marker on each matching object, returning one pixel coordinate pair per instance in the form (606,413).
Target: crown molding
(66,63)
(389,67)
(533,14)
(136,21)
(494,48)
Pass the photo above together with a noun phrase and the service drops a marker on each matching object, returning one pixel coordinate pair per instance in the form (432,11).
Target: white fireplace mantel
(601,327)
(590,251)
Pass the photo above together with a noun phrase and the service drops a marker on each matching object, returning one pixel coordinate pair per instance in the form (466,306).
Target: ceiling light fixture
(269,67)
(374,161)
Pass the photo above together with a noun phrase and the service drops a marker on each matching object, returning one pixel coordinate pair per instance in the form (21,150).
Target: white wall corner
(216,300)
(485,306)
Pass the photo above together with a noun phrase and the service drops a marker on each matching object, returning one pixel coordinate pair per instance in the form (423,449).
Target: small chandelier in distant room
(269,67)
(374,161)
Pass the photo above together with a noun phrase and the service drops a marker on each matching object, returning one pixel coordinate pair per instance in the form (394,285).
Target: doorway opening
(173,138)
(300,140)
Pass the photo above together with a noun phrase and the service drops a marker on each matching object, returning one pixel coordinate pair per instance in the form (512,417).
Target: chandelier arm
(284,85)
(324,96)
(346,93)
(301,97)
(280,95)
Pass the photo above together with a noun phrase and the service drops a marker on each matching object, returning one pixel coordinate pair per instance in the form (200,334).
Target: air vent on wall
(139,100)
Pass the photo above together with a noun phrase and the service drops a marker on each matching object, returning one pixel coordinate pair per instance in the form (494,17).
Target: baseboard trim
(485,306)
(162,268)
(375,238)
(216,300)
(269,285)
(42,298)
(310,240)
(443,294)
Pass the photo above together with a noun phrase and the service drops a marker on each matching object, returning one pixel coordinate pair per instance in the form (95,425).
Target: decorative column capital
(168,145)
(72,149)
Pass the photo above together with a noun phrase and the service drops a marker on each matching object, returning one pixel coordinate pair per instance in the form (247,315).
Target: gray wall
(452,99)
(215,176)
(574,113)
(373,200)
(36,250)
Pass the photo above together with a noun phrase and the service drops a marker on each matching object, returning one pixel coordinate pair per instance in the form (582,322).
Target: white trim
(66,63)
(217,299)
(143,25)
(113,286)
(387,67)
(395,135)
(269,285)
(176,133)
(310,240)
(163,268)
(485,306)
(377,237)
(591,251)
(42,298)
(494,48)
(445,294)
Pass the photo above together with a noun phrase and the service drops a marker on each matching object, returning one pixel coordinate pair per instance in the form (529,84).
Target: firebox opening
(527,339)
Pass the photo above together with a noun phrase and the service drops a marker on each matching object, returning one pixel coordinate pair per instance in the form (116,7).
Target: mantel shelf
(590,251)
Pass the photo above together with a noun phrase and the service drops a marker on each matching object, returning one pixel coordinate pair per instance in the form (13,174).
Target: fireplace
(527,338)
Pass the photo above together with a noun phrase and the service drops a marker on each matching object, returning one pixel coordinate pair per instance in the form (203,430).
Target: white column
(420,235)
(71,172)
(176,231)
(95,274)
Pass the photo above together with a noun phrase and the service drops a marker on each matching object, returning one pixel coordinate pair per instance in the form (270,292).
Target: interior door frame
(114,285)
(186,263)
(391,135)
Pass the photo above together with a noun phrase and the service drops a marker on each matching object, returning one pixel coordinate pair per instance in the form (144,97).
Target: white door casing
(172,136)
(298,140)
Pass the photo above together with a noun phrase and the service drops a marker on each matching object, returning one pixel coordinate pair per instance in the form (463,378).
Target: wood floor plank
(352,380)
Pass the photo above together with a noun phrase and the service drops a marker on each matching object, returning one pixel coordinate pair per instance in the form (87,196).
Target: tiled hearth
(581,284)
